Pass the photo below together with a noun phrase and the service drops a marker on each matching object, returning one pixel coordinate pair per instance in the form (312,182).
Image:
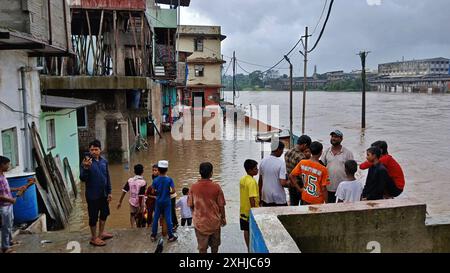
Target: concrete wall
(212,75)
(31,16)
(66,137)
(387,226)
(211,47)
(165,18)
(10,82)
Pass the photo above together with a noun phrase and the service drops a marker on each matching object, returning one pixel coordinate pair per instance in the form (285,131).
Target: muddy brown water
(416,127)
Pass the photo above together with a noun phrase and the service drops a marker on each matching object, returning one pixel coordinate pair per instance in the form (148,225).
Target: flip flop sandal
(9,250)
(106,236)
(97,242)
(15,243)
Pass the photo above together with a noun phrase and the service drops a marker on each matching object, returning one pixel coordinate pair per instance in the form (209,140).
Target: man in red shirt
(207,202)
(393,168)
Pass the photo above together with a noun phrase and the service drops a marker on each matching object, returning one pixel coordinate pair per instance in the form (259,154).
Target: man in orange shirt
(314,175)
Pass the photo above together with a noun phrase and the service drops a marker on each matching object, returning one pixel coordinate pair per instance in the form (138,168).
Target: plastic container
(26,206)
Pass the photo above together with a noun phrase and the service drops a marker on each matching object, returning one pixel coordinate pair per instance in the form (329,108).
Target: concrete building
(113,42)
(204,79)
(59,128)
(415,68)
(29,30)
(169,69)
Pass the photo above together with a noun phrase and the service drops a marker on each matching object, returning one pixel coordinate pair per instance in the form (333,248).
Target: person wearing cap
(292,158)
(273,178)
(334,159)
(163,186)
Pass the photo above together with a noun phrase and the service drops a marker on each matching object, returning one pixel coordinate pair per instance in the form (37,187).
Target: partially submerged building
(204,79)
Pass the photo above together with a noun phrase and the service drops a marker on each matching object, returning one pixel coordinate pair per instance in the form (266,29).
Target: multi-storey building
(204,79)
(415,68)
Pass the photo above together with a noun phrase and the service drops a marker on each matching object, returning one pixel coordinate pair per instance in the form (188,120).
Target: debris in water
(46,242)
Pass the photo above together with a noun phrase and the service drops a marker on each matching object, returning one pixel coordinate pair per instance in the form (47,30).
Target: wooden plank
(45,196)
(67,187)
(91,42)
(98,42)
(59,213)
(133,23)
(115,42)
(71,177)
(60,190)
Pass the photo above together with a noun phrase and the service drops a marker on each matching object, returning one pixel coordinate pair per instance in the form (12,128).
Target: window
(198,44)
(199,70)
(51,137)
(9,144)
(82,117)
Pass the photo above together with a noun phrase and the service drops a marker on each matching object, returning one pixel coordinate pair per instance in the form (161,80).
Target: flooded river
(416,127)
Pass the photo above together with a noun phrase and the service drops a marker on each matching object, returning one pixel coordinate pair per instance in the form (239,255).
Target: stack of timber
(52,185)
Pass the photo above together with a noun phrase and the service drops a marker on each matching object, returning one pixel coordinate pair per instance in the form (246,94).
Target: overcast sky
(262,31)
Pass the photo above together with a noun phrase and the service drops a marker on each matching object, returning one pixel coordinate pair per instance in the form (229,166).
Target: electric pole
(290,103)
(234,76)
(363,55)
(305,75)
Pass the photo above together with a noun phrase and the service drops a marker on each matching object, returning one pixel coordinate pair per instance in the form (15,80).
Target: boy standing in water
(249,195)
(136,187)
(164,187)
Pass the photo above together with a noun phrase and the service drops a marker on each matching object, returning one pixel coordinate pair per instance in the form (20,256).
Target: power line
(283,58)
(226,70)
(324,26)
(243,68)
(321,16)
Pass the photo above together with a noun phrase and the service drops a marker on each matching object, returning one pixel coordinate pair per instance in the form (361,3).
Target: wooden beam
(22,46)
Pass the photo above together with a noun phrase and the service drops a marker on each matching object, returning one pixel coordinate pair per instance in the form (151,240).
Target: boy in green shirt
(249,194)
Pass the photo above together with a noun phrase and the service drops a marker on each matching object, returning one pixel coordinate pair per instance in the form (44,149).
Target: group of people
(316,176)
(203,203)
(311,174)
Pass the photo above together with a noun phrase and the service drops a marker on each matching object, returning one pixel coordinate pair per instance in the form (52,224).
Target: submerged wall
(387,226)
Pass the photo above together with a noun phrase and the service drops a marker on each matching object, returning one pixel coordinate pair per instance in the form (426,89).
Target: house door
(198,97)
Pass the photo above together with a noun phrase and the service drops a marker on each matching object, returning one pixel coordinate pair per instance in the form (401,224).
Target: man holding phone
(95,173)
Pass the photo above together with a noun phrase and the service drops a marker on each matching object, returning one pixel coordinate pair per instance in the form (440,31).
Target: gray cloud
(261,31)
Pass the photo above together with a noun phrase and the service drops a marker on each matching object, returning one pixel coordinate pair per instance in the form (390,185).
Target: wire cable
(321,16)
(324,26)
(243,68)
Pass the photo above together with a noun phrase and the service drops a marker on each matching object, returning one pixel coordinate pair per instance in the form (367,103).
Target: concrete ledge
(94,82)
(396,225)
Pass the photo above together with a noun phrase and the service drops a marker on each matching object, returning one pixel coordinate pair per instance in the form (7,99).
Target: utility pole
(234,77)
(363,55)
(290,103)
(305,75)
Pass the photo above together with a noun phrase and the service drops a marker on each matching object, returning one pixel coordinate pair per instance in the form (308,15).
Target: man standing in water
(334,159)
(94,172)
(292,158)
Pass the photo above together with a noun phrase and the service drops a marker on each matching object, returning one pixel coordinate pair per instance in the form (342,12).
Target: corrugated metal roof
(64,102)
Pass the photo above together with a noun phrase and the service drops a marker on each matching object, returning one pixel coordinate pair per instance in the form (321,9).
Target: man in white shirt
(334,159)
(272,178)
(350,190)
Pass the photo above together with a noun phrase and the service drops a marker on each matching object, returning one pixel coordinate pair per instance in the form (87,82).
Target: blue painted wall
(257,243)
